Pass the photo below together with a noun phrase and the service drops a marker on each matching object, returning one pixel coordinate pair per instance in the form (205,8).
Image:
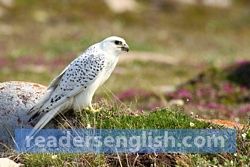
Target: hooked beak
(125,48)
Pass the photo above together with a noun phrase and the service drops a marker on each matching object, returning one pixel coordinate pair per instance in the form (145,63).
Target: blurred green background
(171,41)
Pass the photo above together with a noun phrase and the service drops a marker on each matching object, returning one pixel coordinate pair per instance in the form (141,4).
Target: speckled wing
(48,93)
(77,77)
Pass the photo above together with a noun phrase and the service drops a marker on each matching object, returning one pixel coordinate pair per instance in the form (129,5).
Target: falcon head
(115,44)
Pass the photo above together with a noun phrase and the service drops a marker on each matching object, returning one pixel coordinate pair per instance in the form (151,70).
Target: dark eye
(118,42)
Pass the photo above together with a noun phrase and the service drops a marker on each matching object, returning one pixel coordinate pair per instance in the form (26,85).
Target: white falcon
(77,83)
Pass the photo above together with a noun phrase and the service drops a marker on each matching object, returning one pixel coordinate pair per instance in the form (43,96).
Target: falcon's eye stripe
(118,42)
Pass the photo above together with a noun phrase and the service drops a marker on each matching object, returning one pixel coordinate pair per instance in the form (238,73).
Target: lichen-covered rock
(16,98)
(6,162)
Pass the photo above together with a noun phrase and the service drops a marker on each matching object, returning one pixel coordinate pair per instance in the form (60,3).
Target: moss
(159,119)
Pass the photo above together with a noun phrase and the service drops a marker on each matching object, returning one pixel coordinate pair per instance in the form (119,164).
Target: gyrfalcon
(77,83)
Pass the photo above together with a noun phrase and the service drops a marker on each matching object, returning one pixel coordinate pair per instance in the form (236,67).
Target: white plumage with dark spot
(76,85)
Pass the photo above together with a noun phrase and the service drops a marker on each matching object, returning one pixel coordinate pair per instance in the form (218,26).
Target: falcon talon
(92,110)
(95,110)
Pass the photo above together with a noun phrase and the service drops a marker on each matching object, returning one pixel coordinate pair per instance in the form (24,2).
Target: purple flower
(3,62)
(228,88)
(213,106)
(131,93)
(244,109)
(242,62)
(184,94)
(152,106)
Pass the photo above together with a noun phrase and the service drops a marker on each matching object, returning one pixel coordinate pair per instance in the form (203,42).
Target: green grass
(31,76)
(197,36)
(164,118)
(58,160)
(152,75)
(160,119)
(148,75)
(195,31)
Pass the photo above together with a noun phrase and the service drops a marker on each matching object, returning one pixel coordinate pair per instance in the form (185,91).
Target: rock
(121,6)
(212,3)
(40,16)
(16,98)
(7,3)
(6,162)
(165,88)
(225,123)
(178,102)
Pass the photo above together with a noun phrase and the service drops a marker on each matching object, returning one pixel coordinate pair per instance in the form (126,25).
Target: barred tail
(45,119)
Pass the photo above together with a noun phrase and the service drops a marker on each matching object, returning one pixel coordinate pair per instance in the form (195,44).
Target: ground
(178,52)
